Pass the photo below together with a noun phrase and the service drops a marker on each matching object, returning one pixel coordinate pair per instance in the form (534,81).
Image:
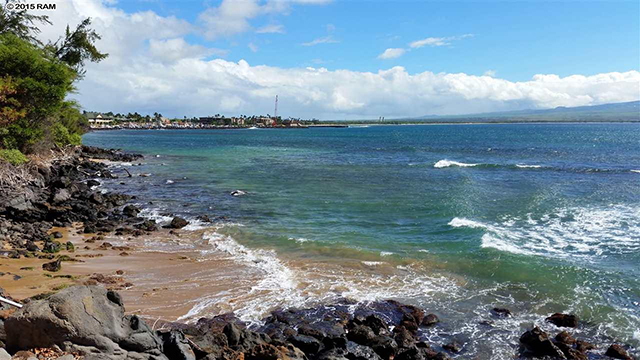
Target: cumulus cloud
(392,53)
(437,41)
(152,68)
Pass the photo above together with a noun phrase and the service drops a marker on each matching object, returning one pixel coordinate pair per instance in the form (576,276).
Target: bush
(62,137)
(14,157)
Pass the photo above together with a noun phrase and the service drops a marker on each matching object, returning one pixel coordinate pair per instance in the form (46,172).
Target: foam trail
(524,166)
(636,171)
(571,233)
(447,163)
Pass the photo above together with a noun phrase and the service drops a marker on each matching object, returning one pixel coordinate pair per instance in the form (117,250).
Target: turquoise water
(457,218)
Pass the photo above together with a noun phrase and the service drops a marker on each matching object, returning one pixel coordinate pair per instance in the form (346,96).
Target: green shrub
(14,157)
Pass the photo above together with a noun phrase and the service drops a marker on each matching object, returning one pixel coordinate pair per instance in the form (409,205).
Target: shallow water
(538,218)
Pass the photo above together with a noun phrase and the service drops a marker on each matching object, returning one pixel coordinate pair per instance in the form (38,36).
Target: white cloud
(271,29)
(253,47)
(172,50)
(152,68)
(323,40)
(437,41)
(392,53)
(490,73)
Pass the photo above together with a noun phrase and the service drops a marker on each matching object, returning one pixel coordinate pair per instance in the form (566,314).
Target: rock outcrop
(86,319)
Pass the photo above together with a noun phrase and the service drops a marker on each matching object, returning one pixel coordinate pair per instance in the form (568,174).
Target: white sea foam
(373,263)
(386,253)
(462,222)
(524,166)
(169,182)
(447,163)
(585,233)
(154,214)
(635,171)
(299,240)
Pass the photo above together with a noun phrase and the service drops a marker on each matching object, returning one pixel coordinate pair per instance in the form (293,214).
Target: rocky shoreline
(89,321)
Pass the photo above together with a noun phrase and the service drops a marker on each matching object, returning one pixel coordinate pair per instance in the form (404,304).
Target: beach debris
(10,302)
(238,193)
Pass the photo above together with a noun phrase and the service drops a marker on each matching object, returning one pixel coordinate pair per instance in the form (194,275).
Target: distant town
(109,120)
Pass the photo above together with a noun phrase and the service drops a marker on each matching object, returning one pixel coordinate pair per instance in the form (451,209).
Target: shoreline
(150,301)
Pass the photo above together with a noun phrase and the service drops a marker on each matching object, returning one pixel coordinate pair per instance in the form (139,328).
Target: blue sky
(514,39)
(356,59)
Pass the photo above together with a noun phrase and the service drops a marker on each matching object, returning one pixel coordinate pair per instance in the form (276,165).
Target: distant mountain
(627,111)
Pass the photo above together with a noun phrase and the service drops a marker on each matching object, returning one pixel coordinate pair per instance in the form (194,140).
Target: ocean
(458,219)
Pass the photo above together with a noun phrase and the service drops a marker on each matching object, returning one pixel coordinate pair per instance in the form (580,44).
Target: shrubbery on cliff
(35,80)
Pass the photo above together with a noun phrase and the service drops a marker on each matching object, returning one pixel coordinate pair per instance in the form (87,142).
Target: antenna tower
(275,112)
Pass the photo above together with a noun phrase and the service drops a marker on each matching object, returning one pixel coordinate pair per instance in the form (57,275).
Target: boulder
(430,320)
(178,223)
(176,346)
(53,266)
(501,312)
(85,319)
(131,211)
(563,320)
(618,352)
(60,196)
(537,342)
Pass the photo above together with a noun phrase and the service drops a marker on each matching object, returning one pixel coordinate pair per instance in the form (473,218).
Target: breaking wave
(447,163)
(566,233)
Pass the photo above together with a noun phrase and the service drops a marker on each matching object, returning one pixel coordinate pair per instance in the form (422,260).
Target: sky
(354,59)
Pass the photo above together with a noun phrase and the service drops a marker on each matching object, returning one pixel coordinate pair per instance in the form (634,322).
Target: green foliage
(78,46)
(35,81)
(14,157)
(21,23)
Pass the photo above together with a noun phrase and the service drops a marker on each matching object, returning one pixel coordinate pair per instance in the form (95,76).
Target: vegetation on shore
(35,81)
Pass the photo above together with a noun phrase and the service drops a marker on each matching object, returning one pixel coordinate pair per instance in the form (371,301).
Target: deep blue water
(540,217)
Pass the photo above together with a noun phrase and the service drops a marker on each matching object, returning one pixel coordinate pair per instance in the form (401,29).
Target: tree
(21,23)
(78,46)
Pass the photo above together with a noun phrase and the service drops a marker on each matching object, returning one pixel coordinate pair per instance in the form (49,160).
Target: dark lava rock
(31,246)
(178,223)
(565,338)
(618,352)
(57,235)
(86,320)
(453,346)
(501,312)
(92,182)
(147,225)
(563,320)
(537,342)
(53,266)
(430,320)
(308,344)
(584,346)
(90,229)
(51,247)
(175,346)
(204,218)
(131,211)
(361,334)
